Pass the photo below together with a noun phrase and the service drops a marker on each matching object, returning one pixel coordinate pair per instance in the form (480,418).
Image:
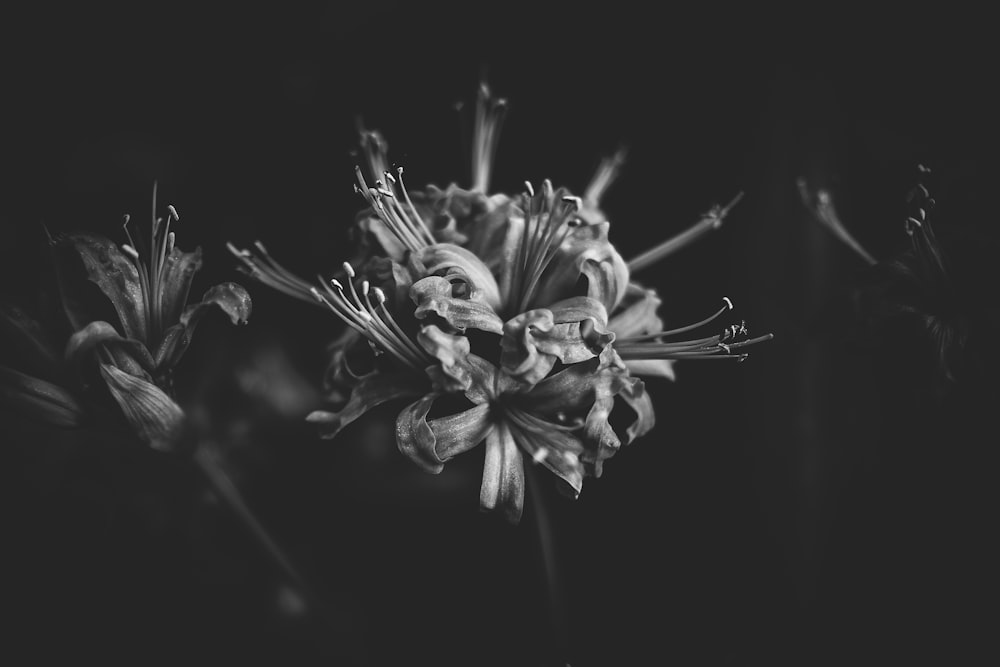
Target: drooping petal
(232,299)
(429,443)
(372,390)
(433,295)
(502,487)
(153,415)
(445,258)
(178,271)
(116,276)
(39,399)
(601,440)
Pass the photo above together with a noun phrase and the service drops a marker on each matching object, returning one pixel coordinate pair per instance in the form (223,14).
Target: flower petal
(454,372)
(552,445)
(40,399)
(371,390)
(130,356)
(153,415)
(570,331)
(26,344)
(447,258)
(433,295)
(430,443)
(636,315)
(116,276)
(635,395)
(231,298)
(178,271)
(585,252)
(502,488)
(663,368)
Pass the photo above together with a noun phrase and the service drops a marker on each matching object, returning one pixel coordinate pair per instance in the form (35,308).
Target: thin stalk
(550,572)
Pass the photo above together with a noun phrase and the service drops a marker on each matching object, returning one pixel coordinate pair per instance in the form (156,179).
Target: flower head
(133,347)
(505,319)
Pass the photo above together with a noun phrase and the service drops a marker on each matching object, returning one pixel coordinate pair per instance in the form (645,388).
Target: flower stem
(226,491)
(336,638)
(550,573)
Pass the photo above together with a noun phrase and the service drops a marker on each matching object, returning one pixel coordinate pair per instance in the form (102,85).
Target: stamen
(690,327)
(130,251)
(708,222)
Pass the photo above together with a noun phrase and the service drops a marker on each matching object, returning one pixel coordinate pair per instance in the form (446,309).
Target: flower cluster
(505,319)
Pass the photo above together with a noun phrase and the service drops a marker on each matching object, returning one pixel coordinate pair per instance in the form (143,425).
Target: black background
(812,506)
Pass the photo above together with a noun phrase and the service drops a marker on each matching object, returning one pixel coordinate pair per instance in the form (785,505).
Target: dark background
(815,505)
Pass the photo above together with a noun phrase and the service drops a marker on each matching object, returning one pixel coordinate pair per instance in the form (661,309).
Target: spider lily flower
(561,422)
(936,297)
(135,345)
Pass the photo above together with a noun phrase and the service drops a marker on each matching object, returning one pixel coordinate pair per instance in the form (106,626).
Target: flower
(513,318)
(133,347)
(928,293)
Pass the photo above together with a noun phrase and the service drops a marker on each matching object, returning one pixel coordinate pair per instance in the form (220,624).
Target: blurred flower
(927,295)
(505,319)
(127,342)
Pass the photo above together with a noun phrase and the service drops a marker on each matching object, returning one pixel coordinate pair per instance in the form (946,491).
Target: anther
(728,302)
(530,188)
(173,212)
(130,251)
(348,269)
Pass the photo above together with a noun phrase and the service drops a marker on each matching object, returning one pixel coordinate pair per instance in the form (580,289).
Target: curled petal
(433,295)
(153,415)
(570,331)
(453,354)
(636,314)
(430,443)
(39,399)
(116,276)
(573,389)
(371,390)
(586,252)
(502,488)
(600,438)
(447,258)
(635,395)
(232,299)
